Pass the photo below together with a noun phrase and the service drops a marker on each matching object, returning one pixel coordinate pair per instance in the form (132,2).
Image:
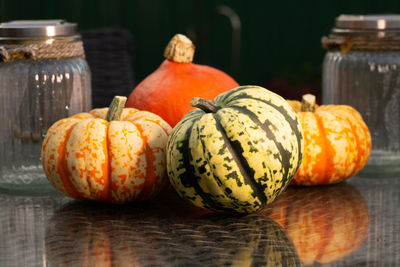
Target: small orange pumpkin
(168,90)
(337,142)
(112,155)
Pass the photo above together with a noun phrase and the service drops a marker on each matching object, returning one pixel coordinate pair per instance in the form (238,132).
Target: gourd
(324,223)
(236,153)
(112,155)
(168,90)
(337,142)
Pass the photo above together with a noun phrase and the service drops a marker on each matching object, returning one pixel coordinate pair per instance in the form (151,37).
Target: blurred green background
(268,43)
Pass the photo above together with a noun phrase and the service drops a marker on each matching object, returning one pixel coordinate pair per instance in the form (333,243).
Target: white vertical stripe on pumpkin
(127,161)
(87,158)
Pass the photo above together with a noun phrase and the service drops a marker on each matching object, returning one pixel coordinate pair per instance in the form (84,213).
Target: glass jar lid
(37,28)
(368,22)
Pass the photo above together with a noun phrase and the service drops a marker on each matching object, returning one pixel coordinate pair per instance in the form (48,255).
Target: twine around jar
(9,52)
(345,43)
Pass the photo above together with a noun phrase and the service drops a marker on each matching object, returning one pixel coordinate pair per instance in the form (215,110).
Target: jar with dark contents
(362,69)
(44,77)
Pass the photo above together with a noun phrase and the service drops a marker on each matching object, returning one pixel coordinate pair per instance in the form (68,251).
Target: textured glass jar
(362,68)
(43,77)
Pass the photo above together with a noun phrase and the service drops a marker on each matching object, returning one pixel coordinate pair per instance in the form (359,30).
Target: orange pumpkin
(112,155)
(337,142)
(325,224)
(169,89)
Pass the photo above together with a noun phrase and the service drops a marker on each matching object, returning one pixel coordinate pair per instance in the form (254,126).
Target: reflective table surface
(354,223)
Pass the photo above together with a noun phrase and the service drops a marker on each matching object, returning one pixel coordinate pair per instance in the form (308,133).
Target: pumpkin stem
(180,49)
(308,103)
(115,109)
(207,106)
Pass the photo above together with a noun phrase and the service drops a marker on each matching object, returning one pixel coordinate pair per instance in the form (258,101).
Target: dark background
(277,44)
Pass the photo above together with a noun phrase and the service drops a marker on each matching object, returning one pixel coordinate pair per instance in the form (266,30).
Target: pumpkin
(168,90)
(236,153)
(112,155)
(337,142)
(325,223)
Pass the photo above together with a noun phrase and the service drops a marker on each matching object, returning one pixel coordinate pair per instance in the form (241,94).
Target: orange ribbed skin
(337,144)
(86,157)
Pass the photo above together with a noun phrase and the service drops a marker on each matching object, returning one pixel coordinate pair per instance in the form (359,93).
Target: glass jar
(43,77)
(362,69)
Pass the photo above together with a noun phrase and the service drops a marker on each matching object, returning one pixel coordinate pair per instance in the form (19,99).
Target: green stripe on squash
(236,153)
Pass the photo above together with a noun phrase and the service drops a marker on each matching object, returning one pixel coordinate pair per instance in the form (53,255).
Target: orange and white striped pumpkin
(337,142)
(118,161)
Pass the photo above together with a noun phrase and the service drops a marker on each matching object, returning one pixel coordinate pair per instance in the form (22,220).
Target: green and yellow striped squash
(237,152)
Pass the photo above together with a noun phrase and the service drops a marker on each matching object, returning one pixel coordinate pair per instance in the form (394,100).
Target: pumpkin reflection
(94,234)
(324,223)
(167,232)
(251,240)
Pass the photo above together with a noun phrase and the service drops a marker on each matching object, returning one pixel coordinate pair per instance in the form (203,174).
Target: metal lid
(37,28)
(368,22)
